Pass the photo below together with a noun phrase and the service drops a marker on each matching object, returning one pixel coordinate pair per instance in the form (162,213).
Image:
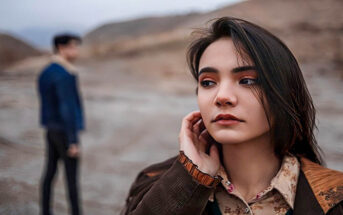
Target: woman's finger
(197,128)
(189,120)
(202,126)
(204,141)
(186,132)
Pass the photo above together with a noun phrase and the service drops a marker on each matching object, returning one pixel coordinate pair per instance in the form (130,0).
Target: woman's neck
(250,165)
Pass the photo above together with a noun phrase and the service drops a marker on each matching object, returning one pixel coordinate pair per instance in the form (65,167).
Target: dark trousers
(57,150)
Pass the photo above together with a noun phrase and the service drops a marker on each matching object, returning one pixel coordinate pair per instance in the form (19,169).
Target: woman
(251,148)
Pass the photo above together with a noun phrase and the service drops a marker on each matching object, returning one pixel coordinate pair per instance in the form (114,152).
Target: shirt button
(247,210)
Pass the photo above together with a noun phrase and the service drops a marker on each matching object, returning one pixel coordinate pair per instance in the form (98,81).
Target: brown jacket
(168,188)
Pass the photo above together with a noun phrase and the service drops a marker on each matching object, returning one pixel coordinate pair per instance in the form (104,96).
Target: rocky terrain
(136,89)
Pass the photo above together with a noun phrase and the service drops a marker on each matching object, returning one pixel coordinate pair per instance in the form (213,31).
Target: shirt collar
(285,181)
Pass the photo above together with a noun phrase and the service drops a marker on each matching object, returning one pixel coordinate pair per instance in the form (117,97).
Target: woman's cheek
(205,112)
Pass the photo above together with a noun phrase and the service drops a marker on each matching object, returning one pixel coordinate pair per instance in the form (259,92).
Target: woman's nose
(225,96)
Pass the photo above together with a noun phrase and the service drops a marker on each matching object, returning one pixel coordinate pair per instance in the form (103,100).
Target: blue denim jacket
(61,107)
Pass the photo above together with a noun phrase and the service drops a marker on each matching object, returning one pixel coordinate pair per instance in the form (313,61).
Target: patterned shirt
(276,199)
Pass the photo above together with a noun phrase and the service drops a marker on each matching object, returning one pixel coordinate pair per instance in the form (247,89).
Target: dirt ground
(133,113)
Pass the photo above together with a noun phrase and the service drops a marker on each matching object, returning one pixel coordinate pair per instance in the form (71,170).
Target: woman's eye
(207,83)
(247,81)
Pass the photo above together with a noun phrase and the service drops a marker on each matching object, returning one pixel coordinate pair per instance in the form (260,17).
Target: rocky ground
(133,118)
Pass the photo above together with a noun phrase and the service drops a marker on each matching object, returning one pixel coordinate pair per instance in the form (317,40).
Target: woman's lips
(227,122)
(226,119)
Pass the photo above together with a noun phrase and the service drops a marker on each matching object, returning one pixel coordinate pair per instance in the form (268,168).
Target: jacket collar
(63,62)
(326,186)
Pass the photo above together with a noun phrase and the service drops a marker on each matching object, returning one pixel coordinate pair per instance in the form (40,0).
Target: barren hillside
(313,29)
(13,50)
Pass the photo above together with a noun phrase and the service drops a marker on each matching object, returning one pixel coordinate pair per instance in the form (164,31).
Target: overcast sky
(17,15)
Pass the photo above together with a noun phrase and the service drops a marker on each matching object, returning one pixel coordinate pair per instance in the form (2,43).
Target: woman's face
(230,108)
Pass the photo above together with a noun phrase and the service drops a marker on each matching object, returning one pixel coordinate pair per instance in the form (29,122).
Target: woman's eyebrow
(243,68)
(234,70)
(208,70)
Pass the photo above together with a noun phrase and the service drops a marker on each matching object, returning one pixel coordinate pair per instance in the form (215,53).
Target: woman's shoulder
(152,173)
(144,181)
(326,184)
(158,168)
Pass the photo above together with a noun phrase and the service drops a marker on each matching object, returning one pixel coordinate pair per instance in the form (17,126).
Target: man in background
(62,117)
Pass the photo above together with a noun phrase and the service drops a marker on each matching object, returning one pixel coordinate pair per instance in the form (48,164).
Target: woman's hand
(194,141)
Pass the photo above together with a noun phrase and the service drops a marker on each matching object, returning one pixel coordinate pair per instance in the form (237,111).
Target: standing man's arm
(67,104)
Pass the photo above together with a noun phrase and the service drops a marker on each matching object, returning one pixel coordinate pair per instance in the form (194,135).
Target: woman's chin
(226,138)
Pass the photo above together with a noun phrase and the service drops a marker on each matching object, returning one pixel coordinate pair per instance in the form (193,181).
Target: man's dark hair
(279,81)
(64,39)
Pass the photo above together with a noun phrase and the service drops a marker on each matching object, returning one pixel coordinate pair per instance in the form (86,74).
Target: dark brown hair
(279,78)
(64,39)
